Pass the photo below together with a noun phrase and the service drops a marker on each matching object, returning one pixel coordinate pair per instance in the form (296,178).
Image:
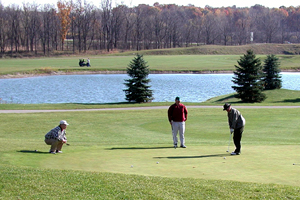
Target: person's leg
(237,137)
(53,144)
(175,129)
(181,133)
(59,146)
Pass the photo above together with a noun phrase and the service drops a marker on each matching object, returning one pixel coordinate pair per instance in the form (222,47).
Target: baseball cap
(226,106)
(63,122)
(177,99)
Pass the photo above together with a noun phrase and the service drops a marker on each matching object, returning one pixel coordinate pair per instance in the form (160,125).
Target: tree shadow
(182,157)
(33,151)
(297,100)
(116,103)
(132,148)
(228,98)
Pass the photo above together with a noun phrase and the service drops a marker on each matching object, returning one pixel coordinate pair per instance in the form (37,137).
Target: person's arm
(234,117)
(170,113)
(62,136)
(185,113)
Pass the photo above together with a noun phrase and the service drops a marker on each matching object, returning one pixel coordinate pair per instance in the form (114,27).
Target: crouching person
(57,137)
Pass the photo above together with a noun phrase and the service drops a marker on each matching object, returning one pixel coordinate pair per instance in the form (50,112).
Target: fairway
(162,63)
(139,142)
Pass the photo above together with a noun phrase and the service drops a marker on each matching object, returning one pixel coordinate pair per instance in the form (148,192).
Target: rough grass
(27,183)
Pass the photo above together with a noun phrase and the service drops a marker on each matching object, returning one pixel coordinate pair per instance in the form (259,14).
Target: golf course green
(128,153)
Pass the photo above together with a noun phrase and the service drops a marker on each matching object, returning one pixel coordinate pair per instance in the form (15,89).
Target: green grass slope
(276,97)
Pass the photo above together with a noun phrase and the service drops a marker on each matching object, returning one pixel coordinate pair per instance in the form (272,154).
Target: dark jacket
(235,119)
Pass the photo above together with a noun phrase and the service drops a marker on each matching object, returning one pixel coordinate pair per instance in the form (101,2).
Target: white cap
(63,122)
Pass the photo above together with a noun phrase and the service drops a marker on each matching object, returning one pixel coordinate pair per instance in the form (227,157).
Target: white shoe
(234,153)
(58,151)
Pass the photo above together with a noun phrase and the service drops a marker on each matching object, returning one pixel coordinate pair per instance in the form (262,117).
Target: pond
(108,88)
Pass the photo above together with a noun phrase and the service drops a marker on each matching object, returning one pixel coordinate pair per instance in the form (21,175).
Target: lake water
(108,88)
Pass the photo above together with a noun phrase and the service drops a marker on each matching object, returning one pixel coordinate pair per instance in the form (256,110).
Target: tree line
(79,27)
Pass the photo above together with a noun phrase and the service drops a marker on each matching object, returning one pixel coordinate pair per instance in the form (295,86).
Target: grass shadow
(182,157)
(132,148)
(33,151)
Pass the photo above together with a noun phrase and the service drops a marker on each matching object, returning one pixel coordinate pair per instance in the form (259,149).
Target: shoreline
(21,75)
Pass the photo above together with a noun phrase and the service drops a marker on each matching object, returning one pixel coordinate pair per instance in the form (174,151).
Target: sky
(198,3)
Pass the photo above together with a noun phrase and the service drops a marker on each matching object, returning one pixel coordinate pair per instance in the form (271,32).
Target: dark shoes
(182,146)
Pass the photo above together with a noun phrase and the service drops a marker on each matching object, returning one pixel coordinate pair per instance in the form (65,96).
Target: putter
(229,142)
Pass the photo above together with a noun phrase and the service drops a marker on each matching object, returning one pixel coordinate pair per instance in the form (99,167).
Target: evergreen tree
(271,69)
(248,77)
(138,90)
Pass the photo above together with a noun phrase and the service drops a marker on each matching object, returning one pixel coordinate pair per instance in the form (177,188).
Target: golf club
(229,142)
(68,144)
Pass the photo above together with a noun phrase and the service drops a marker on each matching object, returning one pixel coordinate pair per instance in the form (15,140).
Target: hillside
(265,49)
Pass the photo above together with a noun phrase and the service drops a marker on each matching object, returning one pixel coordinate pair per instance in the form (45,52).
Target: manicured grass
(105,144)
(178,63)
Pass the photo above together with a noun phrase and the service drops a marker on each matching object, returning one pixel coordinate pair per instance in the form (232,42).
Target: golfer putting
(177,115)
(236,125)
(56,137)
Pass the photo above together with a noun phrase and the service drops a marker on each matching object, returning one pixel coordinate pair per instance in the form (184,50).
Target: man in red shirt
(177,114)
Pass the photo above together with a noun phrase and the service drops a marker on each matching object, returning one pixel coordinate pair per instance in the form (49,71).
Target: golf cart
(82,63)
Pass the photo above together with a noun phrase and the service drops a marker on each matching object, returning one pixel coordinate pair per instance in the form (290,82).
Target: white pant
(178,126)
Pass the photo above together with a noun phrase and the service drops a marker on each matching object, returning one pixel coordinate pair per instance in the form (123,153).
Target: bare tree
(242,26)
(106,22)
(3,29)
(118,21)
(14,28)
(210,28)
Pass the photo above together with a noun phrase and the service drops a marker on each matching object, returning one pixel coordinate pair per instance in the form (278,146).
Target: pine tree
(138,90)
(271,69)
(248,77)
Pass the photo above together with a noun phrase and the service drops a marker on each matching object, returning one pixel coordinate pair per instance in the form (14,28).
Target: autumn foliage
(64,10)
